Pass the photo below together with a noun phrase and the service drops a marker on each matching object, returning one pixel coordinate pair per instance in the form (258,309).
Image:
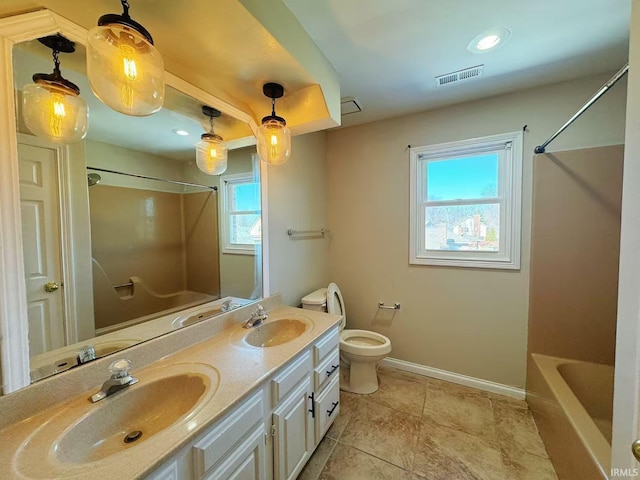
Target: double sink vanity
(215,400)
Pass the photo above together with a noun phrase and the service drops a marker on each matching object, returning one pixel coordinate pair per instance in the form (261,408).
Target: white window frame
(225,182)
(509,197)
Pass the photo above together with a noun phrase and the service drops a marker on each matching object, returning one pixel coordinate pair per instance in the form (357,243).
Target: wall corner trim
(452,377)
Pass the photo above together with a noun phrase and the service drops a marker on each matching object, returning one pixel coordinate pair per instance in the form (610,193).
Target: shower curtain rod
(585,107)
(176,182)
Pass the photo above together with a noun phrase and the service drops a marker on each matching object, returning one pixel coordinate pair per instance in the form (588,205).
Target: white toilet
(360,350)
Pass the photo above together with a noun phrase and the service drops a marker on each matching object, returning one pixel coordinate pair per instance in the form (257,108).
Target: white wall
(297,193)
(467,321)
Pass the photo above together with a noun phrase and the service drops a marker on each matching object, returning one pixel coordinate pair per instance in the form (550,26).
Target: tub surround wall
(158,237)
(575,248)
(468,321)
(297,193)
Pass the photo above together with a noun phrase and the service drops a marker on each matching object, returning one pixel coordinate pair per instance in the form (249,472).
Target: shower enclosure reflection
(153,251)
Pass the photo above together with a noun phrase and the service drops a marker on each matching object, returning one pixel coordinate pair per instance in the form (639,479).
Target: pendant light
(274,138)
(125,70)
(211,152)
(51,106)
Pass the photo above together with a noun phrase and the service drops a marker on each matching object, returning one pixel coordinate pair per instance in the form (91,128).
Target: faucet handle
(120,368)
(260,310)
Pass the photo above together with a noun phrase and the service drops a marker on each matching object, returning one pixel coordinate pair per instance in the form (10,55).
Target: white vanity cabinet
(273,432)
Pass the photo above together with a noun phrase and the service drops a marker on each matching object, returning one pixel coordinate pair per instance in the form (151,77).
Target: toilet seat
(335,303)
(364,343)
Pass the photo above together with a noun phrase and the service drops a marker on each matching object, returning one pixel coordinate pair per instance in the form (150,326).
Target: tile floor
(416,427)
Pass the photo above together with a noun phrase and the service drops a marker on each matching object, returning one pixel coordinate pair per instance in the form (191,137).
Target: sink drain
(132,436)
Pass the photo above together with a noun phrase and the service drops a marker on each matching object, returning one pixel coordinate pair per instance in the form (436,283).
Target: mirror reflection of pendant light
(51,106)
(211,151)
(125,70)
(274,138)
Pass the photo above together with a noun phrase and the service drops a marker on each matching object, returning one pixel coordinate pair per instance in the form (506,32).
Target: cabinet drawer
(327,407)
(208,451)
(291,376)
(327,370)
(325,346)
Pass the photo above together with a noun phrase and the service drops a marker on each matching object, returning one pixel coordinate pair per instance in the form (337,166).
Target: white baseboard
(478,383)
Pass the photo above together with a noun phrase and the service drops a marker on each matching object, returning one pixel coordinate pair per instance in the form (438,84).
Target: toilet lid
(335,303)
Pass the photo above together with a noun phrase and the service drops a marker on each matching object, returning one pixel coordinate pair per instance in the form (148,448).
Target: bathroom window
(466,203)
(241,226)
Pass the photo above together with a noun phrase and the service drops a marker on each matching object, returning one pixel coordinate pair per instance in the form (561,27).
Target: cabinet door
(245,463)
(168,472)
(293,431)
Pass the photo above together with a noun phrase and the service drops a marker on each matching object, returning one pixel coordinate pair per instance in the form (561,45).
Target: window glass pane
(244,196)
(245,228)
(462,178)
(463,227)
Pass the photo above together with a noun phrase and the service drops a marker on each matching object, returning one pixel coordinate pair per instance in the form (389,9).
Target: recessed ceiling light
(489,40)
(182,133)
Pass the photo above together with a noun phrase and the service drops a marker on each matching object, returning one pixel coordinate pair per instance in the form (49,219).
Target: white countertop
(240,369)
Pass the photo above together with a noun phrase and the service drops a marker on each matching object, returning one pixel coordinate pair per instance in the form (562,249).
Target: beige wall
(575,248)
(472,322)
(237,271)
(297,199)
(201,244)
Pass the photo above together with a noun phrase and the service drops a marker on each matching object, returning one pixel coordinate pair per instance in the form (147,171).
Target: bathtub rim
(596,445)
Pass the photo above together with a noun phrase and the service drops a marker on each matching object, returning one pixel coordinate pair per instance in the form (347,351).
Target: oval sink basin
(273,332)
(84,432)
(276,332)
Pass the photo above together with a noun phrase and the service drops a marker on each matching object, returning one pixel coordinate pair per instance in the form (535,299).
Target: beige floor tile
(348,405)
(435,384)
(517,432)
(383,432)
(529,467)
(514,402)
(348,463)
(316,463)
(400,393)
(446,454)
(384,370)
(455,408)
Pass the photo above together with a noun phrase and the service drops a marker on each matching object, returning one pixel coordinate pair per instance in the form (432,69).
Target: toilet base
(359,377)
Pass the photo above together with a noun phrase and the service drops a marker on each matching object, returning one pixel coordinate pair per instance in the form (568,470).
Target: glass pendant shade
(125,70)
(211,154)
(274,141)
(54,113)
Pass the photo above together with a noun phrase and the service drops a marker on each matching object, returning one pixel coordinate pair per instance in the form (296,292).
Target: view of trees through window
(462,211)
(244,213)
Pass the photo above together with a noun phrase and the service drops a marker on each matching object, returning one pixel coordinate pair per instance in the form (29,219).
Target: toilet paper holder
(382,306)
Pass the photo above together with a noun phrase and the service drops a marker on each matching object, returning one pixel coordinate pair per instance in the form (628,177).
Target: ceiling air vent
(349,105)
(459,76)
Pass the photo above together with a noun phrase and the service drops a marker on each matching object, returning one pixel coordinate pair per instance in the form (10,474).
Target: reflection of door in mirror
(39,200)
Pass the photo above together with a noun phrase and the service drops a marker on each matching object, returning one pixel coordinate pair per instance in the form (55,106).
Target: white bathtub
(572,403)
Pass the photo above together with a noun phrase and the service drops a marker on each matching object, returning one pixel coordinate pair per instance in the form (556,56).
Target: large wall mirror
(121,234)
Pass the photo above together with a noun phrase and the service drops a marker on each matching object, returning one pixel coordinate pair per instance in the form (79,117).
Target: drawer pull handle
(333,369)
(313,406)
(335,405)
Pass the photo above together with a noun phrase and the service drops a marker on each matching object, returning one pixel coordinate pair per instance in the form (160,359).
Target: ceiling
(388,52)
(229,49)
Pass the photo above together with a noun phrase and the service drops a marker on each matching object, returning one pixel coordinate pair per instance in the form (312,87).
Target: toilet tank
(316,300)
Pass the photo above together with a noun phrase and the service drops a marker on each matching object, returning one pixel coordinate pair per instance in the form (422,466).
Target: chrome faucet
(226,306)
(120,379)
(257,317)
